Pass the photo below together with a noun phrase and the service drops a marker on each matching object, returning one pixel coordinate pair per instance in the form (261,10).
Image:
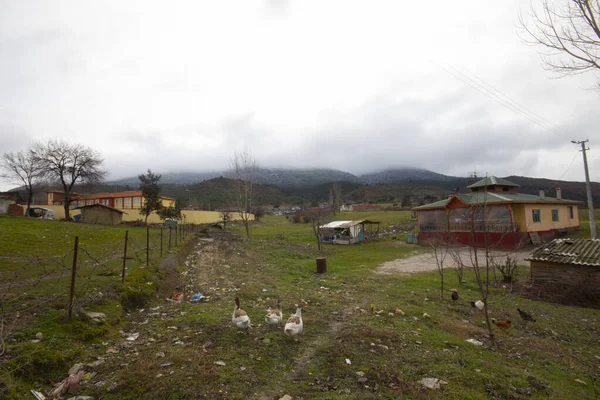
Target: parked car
(170,222)
(40,212)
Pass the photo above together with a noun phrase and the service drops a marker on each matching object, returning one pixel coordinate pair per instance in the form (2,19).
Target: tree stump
(321,265)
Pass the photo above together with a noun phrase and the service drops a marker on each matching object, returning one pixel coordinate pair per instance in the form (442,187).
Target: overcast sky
(357,86)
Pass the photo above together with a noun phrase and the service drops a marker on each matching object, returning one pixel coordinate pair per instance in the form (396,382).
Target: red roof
(130,193)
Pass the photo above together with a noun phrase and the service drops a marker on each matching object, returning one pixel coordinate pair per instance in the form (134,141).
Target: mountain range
(298,186)
(305,177)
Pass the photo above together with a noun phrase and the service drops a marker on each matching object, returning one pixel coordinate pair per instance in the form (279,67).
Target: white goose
(274,315)
(294,325)
(239,318)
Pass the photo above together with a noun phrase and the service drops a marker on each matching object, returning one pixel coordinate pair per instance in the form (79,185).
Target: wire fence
(32,285)
(258,233)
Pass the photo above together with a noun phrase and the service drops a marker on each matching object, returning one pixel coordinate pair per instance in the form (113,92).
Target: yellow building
(494,213)
(130,200)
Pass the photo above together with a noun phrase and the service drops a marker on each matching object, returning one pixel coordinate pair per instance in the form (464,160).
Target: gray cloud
(295,83)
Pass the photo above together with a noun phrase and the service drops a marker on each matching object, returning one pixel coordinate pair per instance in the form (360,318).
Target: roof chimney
(542,196)
(558,193)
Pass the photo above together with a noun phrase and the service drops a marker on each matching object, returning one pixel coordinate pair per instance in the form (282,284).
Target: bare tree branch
(242,172)
(21,168)
(569,30)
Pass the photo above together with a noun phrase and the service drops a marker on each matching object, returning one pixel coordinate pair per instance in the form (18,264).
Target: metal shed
(100,214)
(348,232)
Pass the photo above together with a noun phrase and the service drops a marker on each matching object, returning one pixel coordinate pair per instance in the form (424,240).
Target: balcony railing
(467,227)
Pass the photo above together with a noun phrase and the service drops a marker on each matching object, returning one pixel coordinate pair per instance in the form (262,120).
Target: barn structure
(101,214)
(348,232)
(567,262)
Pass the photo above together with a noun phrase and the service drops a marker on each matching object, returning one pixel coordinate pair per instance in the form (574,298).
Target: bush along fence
(33,285)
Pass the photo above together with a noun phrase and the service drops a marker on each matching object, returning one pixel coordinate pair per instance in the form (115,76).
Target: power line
(555,128)
(564,173)
(496,95)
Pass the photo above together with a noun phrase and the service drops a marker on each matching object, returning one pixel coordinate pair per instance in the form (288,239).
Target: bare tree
(569,33)
(440,252)
(317,218)
(225,216)
(242,172)
(507,268)
(459,264)
(21,167)
(69,164)
(337,197)
(331,200)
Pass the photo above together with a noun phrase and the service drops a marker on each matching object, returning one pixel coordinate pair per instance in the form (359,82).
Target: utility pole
(588,188)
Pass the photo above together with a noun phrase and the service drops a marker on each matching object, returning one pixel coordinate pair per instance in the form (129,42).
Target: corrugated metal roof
(347,224)
(492,181)
(568,251)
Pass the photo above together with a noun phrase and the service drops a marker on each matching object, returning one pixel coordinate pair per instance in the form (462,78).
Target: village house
(130,200)
(359,207)
(493,214)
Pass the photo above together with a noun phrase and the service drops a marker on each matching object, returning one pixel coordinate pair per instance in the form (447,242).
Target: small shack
(7,199)
(348,232)
(100,214)
(567,263)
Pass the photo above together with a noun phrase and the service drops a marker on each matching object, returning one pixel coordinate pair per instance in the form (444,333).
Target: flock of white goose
(294,325)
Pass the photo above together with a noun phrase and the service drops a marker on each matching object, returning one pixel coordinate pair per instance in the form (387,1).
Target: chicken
(454,294)
(239,317)
(477,304)
(503,324)
(525,316)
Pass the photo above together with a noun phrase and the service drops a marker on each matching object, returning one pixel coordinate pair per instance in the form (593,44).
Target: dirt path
(425,261)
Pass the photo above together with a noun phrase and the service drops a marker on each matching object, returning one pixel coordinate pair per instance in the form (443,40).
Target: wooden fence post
(170,238)
(321,265)
(124,257)
(147,245)
(73,273)
(161,242)
(176,233)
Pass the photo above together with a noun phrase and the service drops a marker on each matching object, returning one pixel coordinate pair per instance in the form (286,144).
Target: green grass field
(37,258)
(36,261)
(584,224)
(388,352)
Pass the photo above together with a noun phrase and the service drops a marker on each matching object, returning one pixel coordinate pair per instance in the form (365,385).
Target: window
(137,201)
(537,215)
(119,203)
(571,214)
(127,202)
(555,215)
(104,202)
